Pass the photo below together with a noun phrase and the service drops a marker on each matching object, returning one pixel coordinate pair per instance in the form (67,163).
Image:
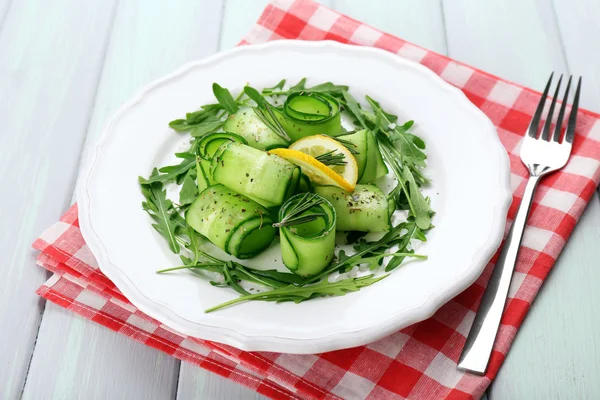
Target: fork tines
(545,134)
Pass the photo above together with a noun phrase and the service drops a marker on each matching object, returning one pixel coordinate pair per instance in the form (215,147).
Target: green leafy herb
(326,87)
(349,145)
(275,88)
(233,272)
(189,190)
(225,98)
(180,125)
(332,158)
(207,126)
(422,211)
(171,172)
(294,215)
(265,112)
(298,86)
(161,210)
(353,106)
(195,118)
(302,293)
(364,249)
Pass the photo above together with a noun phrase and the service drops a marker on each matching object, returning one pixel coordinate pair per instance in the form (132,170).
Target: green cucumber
(247,124)
(369,160)
(366,209)
(207,146)
(265,178)
(304,184)
(231,221)
(307,248)
(305,114)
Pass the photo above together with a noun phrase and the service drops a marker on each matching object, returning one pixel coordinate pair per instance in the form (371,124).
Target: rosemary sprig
(298,294)
(294,215)
(349,145)
(264,111)
(332,158)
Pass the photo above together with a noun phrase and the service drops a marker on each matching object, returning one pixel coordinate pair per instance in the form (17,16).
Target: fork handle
(479,344)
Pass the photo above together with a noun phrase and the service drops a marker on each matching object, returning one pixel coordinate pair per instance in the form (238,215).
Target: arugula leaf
(376,106)
(209,125)
(422,211)
(189,190)
(180,125)
(279,86)
(298,86)
(225,98)
(171,172)
(353,107)
(302,293)
(161,210)
(194,118)
(255,95)
(327,87)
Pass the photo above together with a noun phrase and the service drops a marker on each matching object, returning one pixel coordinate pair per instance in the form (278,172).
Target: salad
(299,166)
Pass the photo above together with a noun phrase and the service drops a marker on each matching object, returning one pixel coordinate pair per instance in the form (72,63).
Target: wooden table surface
(67,65)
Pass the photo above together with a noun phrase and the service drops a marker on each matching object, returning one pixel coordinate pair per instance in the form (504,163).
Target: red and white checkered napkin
(418,362)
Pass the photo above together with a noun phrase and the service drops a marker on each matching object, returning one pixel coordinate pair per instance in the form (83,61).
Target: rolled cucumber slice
(207,146)
(305,114)
(248,125)
(370,162)
(231,221)
(265,178)
(307,248)
(366,209)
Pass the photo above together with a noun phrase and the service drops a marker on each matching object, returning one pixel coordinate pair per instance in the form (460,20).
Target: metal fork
(542,154)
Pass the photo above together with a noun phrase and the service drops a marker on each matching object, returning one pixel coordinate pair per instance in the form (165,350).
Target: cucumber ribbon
(305,114)
(265,178)
(231,221)
(307,248)
(367,209)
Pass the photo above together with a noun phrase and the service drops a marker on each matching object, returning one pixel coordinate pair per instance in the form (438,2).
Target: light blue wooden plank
(4,6)
(515,39)
(148,40)
(76,359)
(238,17)
(419,22)
(579,23)
(197,383)
(51,59)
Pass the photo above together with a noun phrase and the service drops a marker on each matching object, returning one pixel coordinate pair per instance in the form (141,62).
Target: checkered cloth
(417,362)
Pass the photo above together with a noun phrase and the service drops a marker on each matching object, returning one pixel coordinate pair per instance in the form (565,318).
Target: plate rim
(265,342)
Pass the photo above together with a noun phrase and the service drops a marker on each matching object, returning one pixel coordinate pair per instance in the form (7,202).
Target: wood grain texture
(579,26)
(515,39)
(419,22)
(48,78)
(77,359)
(4,6)
(147,40)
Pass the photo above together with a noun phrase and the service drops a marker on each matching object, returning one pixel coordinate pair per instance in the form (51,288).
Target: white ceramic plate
(470,193)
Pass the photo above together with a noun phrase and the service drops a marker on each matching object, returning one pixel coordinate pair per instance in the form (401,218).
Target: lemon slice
(304,152)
